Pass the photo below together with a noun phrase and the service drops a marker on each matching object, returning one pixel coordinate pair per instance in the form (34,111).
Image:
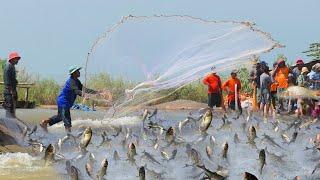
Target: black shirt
(9,78)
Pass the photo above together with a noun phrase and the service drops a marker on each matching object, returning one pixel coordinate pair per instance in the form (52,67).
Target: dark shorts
(63,115)
(273,95)
(9,103)
(232,105)
(265,97)
(214,99)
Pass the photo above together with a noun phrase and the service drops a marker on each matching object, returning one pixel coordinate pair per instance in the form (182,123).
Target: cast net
(161,54)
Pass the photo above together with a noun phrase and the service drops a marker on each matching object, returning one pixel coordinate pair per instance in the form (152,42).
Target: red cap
(299,62)
(13,55)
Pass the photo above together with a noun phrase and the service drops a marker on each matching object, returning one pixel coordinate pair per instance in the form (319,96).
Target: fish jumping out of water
(262,159)
(266,137)
(285,138)
(86,138)
(252,134)
(74,174)
(236,138)
(116,156)
(144,115)
(211,175)
(209,152)
(225,150)
(89,170)
(131,153)
(169,137)
(249,176)
(49,155)
(173,154)
(205,122)
(153,114)
(150,157)
(294,137)
(164,155)
(33,130)
(299,92)
(103,169)
(142,173)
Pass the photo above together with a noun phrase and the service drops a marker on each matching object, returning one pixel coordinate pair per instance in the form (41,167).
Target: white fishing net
(164,53)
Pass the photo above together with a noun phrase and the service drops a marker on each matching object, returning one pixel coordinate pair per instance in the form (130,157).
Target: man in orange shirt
(230,86)
(274,87)
(213,82)
(281,74)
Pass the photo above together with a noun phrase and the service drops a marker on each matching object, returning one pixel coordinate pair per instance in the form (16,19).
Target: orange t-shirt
(230,84)
(273,87)
(282,77)
(214,83)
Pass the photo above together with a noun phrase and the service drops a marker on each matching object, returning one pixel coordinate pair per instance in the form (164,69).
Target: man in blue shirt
(66,99)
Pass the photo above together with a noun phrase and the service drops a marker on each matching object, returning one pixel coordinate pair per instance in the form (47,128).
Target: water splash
(165,53)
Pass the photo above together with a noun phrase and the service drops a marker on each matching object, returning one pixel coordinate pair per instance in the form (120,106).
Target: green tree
(314,51)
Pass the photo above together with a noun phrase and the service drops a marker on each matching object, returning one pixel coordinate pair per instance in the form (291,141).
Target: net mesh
(164,53)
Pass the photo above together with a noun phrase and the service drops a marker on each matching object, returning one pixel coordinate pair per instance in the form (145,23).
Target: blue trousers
(63,115)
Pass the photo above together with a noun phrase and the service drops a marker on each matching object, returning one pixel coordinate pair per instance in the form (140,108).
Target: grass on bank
(46,90)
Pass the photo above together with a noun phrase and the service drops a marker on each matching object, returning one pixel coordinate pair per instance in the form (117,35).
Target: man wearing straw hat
(66,99)
(255,80)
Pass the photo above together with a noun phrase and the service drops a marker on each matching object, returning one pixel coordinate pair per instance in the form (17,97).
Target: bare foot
(44,125)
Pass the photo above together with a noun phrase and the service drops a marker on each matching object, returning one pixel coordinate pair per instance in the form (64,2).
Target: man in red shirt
(230,87)
(213,82)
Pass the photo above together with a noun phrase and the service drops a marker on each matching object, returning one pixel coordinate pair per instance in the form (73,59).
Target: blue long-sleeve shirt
(69,93)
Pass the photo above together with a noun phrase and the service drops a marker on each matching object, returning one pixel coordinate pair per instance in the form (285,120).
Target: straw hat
(304,70)
(255,60)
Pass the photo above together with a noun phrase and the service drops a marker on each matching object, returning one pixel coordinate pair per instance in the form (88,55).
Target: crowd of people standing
(268,84)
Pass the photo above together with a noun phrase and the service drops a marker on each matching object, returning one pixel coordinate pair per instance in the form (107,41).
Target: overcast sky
(52,35)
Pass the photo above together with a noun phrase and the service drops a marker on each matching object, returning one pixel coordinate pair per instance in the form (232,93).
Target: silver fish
(174,154)
(74,174)
(33,130)
(145,115)
(165,155)
(103,169)
(271,140)
(249,176)
(182,124)
(225,150)
(262,159)
(92,159)
(294,137)
(209,152)
(285,138)
(169,137)
(89,170)
(150,157)
(86,138)
(212,140)
(49,155)
(210,174)
(206,121)
(153,114)
(195,157)
(236,138)
(131,153)
(116,156)
(142,173)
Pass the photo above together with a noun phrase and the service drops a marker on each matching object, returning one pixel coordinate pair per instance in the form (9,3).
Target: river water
(241,156)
